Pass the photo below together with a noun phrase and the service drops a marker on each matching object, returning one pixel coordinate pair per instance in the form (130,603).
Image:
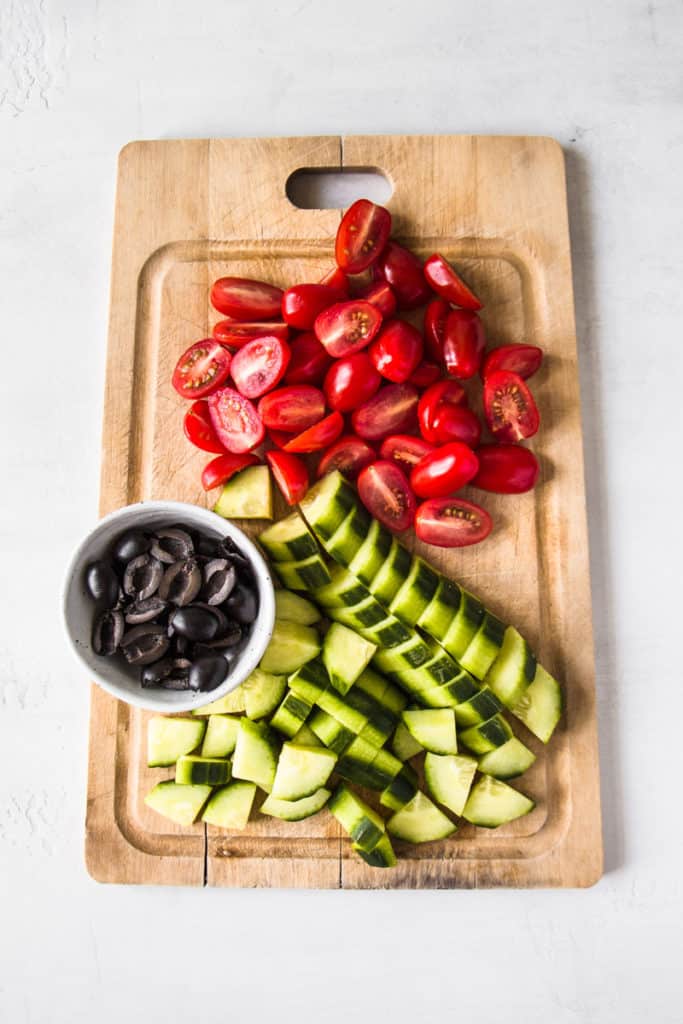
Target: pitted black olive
(147,610)
(172,545)
(242,605)
(208,673)
(219,579)
(194,622)
(179,677)
(181,582)
(153,674)
(181,646)
(107,633)
(229,636)
(131,544)
(234,555)
(209,547)
(144,644)
(102,583)
(142,577)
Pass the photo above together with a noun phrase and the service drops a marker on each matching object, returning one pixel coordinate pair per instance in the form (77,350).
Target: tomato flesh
(337,279)
(384,490)
(279,437)
(290,474)
(464,342)
(506,469)
(425,374)
(199,430)
(381,295)
(361,236)
(347,327)
(292,408)
(308,360)
(447,283)
(351,381)
(391,411)
(397,351)
(242,298)
(433,401)
(218,471)
(444,470)
(452,522)
(349,454)
(201,369)
(435,328)
(259,365)
(302,303)
(523,360)
(234,334)
(403,271)
(319,436)
(509,407)
(405,450)
(235,420)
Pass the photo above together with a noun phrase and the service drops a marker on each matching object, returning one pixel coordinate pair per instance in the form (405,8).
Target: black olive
(147,610)
(219,579)
(209,547)
(234,555)
(107,633)
(102,583)
(194,622)
(230,636)
(153,674)
(181,646)
(242,605)
(208,673)
(179,677)
(144,644)
(130,545)
(181,582)
(142,577)
(172,545)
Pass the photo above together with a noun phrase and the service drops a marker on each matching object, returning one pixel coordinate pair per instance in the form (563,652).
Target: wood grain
(189,211)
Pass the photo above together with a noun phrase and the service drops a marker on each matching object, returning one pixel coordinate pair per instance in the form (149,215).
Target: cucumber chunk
(392,574)
(412,653)
(249,495)
(484,646)
(420,821)
(439,669)
(230,806)
(369,558)
(327,504)
(231,703)
(221,736)
(462,688)
(508,761)
(296,810)
(464,626)
(380,721)
(488,735)
(449,778)
(291,607)
(305,737)
(203,771)
(289,540)
(347,540)
(170,738)
(541,706)
(263,691)
(433,729)
(403,744)
(357,764)
(415,593)
(483,705)
(301,771)
(492,803)
(348,716)
(291,714)
(345,655)
(331,732)
(311,681)
(387,633)
(303,575)
(180,804)
(389,696)
(364,825)
(401,789)
(255,757)
(291,646)
(382,856)
(343,590)
(364,615)
(513,669)
(437,617)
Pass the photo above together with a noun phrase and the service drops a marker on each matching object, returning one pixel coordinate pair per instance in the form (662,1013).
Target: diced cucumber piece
(327,505)
(255,757)
(345,654)
(231,704)
(412,653)
(403,744)
(349,717)
(389,696)
(386,762)
(348,539)
(193,770)
(541,706)
(484,646)
(291,607)
(387,633)
(221,736)
(303,575)
(263,691)
(311,681)
(433,729)
(357,764)
(180,804)
(415,593)
(364,615)
(170,738)
(248,495)
(230,806)
(296,810)
(449,778)
(291,714)
(382,856)
(343,590)
(380,721)
(392,574)
(464,626)
(301,771)
(488,735)
(331,732)
(401,789)
(437,617)
(513,669)
(439,669)
(462,688)
(420,821)
(437,697)
(483,705)
(291,646)
(369,558)
(289,540)
(508,761)
(492,803)
(364,825)
(306,737)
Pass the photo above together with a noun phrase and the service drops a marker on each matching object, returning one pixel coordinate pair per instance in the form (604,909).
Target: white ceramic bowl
(112,674)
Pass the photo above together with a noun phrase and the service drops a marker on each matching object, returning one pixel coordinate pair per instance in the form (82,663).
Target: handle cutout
(327,188)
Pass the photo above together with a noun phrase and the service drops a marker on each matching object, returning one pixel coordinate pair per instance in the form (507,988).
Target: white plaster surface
(78,79)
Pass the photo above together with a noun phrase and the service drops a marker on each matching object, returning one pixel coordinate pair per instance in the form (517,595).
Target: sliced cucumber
(415,593)
(364,825)
(331,732)
(389,696)
(263,691)
(449,778)
(387,633)
(369,558)
(462,688)
(433,729)
(305,737)
(303,575)
(193,770)
(437,617)
(380,721)
(249,495)
(343,590)
(488,735)
(439,669)
(255,757)
(311,681)
(349,717)
(513,669)
(170,738)
(291,714)
(508,761)
(180,804)
(289,540)
(290,647)
(347,540)
(345,654)
(301,771)
(484,646)
(230,806)
(392,574)
(327,505)
(412,653)
(382,856)
(232,703)
(541,706)
(365,615)
(295,810)
(221,736)
(483,705)
(401,789)
(403,744)
(294,608)
(420,821)
(492,803)
(357,764)
(464,626)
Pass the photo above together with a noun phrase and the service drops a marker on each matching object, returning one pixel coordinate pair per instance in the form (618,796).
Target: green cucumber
(301,771)
(488,735)
(449,778)
(180,804)
(437,617)
(295,810)
(311,681)
(289,540)
(464,626)
(382,856)
(420,821)
(401,789)
(415,593)
(230,806)
(508,761)
(336,706)
(364,825)
(460,689)
(331,732)
(369,558)
(390,577)
(248,495)
(357,764)
(303,575)
(484,646)
(231,704)
(291,714)
(492,803)
(483,705)
(170,738)
(327,505)
(364,615)
(403,744)
(348,538)
(380,721)
(294,608)
(255,757)
(439,669)
(389,696)
(221,736)
(305,737)
(412,653)
(343,590)
(291,646)
(191,770)
(387,633)
(433,729)
(263,691)
(513,669)
(541,706)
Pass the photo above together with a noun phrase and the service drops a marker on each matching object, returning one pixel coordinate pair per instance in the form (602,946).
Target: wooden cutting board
(190,211)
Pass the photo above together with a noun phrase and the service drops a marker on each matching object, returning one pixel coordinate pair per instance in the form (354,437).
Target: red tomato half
(397,350)
(405,450)
(452,522)
(506,469)
(425,375)
(259,366)
(279,437)
(201,369)
(349,455)
(454,423)
(444,470)
(403,271)
(302,303)
(362,235)
(509,407)
(235,420)
(464,342)
(234,334)
(199,428)
(351,381)
(241,298)
(523,360)
(381,295)
(218,471)
(290,475)
(443,279)
(435,328)
(337,279)
(432,402)
(384,490)
(347,327)
(391,411)
(319,436)
(292,408)
(361,284)
(308,360)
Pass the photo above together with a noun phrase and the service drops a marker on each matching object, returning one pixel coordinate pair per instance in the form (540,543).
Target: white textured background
(78,79)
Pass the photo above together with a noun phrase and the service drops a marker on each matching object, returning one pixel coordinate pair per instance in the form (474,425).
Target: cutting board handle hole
(327,188)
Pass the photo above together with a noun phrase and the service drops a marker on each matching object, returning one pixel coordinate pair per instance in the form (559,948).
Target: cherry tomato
(452,522)
(201,369)
(397,350)
(349,455)
(199,428)
(362,235)
(454,423)
(259,365)
(290,475)
(241,298)
(292,408)
(425,374)
(403,271)
(319,436)
(393,410)
(443,279)
(405,450)
(523,360)
(337,279)
(308,360)
(235,420)
(347,327)
(384,490)
(218,471)
(506,469)
(351,381)
(381,295)
(435,328)
(361,284)
(279,437)
(445,392)
(509,407)
(234,334)
(444,470)
(302,303)
(464,342)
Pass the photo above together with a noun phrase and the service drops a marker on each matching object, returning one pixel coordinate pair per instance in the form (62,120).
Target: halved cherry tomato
(393,410)
(199,428)
(403,271)
(444,470)
(280,437)
(509,407)
(362,234)
(506,469)
(242,298)
(302,303)
(452,522)
(347,327)
(464,342)
(308,360)
(361,284)
(234,334)
(235,420)
(384,490)
(523,360)
(405,450)
(425,374)
(381,295)
(444,280)
(454,423)
(218,471)
(292,408)
(201,369)
(349,455)
(259,366)
(351,381)
(435,328)
(319,436)
(445,392)
(337,279)
(290,475)
(397,350)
